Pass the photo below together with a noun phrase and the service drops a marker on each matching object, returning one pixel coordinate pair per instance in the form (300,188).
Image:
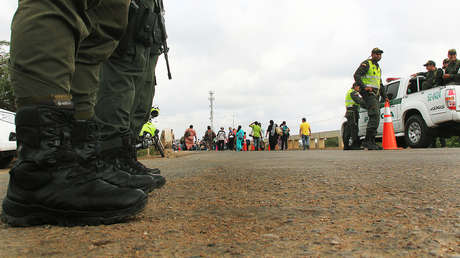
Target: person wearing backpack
(272,136)
(239,139)
(209,137)
(231,139)
(221,138)
(285,136)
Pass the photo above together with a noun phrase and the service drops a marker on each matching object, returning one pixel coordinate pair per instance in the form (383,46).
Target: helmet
(155,111)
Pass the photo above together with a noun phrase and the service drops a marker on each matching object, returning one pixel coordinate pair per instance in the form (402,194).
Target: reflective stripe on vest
(372,78)
(349,102)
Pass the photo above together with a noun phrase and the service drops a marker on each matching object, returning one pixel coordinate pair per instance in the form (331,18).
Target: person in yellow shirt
(305,132)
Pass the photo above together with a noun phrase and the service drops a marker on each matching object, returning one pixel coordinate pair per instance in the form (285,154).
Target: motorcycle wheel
(159,145)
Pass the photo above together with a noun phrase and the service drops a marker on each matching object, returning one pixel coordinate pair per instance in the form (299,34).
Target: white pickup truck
(418,114)
(7,138)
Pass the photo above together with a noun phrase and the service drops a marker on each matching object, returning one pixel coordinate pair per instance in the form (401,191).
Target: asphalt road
(277,204)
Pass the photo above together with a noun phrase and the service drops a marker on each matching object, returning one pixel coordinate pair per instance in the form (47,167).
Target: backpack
(279,131)
(187,133)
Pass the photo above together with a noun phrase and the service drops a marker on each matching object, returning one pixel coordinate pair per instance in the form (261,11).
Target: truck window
(412,86)
(392,90)
(421,80)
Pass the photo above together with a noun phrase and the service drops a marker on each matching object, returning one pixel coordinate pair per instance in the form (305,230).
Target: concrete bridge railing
(317,140)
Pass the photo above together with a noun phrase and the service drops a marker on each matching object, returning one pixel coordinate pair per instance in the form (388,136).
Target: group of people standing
(366,91)
(237,139)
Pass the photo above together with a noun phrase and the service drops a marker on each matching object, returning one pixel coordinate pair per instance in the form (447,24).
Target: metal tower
(211,100)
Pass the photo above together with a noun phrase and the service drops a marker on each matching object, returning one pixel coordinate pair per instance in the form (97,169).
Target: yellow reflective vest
(372,78)
(349,102)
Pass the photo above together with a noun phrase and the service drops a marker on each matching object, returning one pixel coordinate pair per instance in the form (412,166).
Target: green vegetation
(6,91)
(332,142)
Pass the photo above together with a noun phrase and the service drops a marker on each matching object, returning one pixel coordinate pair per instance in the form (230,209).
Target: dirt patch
(278,204)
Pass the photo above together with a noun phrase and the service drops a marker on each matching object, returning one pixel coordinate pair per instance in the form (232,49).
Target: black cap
(430,62)
(452,51)
(377,51)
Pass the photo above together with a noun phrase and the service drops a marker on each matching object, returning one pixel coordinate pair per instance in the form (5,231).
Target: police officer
(368,77)
(433,76)
(127,86)
(56,49)
(353,100)
(452,74)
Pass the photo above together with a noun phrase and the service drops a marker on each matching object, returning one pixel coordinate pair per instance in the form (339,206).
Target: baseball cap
(377,51)
(452,51)
(430,62)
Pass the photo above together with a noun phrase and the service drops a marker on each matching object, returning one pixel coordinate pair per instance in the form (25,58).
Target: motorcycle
(150,135)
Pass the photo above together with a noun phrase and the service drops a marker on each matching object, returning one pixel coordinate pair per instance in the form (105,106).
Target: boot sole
(40,215)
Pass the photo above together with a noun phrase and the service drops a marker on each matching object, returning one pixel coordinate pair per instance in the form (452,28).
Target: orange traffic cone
(245,148)
(389,139)
(269,147)
(253,148)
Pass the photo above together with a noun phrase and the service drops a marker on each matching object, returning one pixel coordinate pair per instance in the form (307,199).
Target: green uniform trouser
(121,78)
(144,97)
(126,89)
(373,111)
(57,46)
(352,116)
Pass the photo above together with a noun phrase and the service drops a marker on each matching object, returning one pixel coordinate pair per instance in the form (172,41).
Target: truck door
(392,90)
(435,103)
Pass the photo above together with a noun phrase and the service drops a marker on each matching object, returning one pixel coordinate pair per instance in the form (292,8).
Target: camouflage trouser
(373,111)
(57,47)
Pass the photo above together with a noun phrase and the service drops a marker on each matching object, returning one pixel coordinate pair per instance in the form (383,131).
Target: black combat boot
(123,160)
(376,147)
(94,153)
(366,143)
(138,166)
(48,186)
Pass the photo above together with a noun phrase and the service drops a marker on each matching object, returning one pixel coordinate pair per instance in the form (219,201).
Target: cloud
(284,60)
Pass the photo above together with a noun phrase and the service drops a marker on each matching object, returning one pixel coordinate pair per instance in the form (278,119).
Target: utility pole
(211,100)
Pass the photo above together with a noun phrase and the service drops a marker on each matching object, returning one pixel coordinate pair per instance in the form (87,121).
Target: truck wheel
(5,161)
(416,132)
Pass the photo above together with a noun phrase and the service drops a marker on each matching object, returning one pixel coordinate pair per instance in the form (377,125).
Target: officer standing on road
(59,178)
(352,103)
(433,76)
(452,74)
(127,87)
(368,77)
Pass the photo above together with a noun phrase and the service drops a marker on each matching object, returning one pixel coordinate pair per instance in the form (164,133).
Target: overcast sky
(284,60)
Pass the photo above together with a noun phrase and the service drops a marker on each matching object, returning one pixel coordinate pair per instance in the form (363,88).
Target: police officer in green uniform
(433,76)
(452,74)
(368,77)
(353,101)
(126,87)
(59,178)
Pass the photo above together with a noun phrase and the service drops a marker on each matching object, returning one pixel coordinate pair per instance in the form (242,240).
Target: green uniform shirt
(353,99)
(361,72)
(433,78)
(453,69)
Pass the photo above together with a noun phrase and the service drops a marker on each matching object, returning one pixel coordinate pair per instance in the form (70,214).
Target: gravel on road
(277,204)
